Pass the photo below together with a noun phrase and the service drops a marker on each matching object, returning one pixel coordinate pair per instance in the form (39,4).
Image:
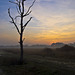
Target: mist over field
(38,61)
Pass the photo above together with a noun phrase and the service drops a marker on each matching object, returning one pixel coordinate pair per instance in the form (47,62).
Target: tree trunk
(22,14)
(21,48)
(21,41)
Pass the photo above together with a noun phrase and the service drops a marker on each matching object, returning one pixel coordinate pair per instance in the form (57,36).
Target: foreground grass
(34,65)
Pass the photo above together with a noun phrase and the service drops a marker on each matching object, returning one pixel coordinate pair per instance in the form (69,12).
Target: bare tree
(20,7)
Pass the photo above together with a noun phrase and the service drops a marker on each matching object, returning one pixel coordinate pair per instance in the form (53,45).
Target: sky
(53,21)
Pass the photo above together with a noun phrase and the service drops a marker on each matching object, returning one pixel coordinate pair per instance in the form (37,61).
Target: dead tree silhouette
(20,7)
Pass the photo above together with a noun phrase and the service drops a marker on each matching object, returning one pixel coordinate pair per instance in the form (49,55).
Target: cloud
(58,23)
(53,21)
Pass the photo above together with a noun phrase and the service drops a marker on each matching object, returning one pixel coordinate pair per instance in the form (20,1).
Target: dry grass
(37,61)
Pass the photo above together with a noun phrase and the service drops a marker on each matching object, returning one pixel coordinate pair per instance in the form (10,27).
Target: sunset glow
(53,21)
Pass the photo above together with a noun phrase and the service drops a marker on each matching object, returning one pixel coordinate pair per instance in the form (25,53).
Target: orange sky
(53,21)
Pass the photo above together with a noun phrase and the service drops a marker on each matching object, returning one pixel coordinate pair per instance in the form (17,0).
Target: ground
(37,61)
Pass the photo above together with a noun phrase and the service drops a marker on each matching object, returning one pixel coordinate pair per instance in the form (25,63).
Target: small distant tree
(20,7)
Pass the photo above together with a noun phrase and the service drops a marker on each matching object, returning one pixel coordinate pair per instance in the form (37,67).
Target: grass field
(37,61)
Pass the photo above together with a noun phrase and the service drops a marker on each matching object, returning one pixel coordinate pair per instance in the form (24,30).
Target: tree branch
(17,0)
(17,16)
(13,21)
(19,6)
(22,6)
(28,11)
(18,10)
(23,39)
(13,2)
(27,23)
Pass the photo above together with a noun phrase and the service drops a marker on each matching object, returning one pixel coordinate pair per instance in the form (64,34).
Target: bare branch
(13,2)
(13,21)
(18,10)
(17,16)
(27,23)
(23,39)
(10,21)
(22,6)
(17,0)
(24,0)
(19,5)
(28,11)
